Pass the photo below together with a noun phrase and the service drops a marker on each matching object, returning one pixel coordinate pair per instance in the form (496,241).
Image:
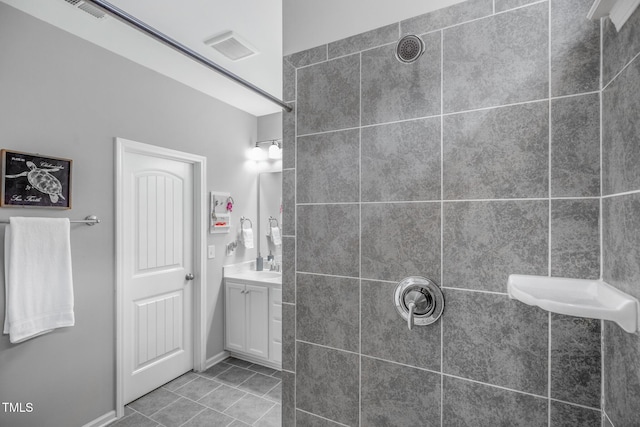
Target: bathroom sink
(260,276)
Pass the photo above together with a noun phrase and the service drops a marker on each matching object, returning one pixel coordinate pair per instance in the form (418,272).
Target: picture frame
(35,181)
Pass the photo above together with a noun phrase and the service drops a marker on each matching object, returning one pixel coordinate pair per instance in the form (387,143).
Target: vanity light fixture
(274,151)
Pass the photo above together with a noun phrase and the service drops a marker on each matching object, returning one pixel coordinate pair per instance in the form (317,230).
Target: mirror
(269,206)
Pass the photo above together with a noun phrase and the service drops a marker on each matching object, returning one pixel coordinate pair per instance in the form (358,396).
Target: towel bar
(90,220)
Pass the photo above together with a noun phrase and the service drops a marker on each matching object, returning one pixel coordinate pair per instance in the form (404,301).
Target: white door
(257,330)
(158,256)
(235,322)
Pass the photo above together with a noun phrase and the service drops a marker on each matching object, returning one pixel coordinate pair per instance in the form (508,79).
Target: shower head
(409,49)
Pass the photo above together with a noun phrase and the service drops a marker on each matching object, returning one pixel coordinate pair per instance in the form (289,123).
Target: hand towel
(276,238)
(38,277)
(247,237)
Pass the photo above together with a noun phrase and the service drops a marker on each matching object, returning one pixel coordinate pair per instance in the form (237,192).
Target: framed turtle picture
(35,181)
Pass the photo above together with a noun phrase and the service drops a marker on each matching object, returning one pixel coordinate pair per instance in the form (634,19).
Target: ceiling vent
(231,46)
(87,7)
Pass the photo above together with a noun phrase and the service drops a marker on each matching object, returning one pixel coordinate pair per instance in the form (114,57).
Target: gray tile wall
(621,213)
(480,160)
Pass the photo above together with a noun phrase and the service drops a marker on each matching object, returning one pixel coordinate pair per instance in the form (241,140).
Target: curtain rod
(136,23)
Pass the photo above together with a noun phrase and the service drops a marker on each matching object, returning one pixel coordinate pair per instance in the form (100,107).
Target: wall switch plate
(212,251)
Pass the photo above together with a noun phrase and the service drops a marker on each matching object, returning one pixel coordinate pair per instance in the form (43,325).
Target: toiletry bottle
(259,263)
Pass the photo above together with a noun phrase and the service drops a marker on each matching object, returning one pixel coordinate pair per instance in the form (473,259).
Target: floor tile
(235,376)
(238,362)
(222,398)
(180,381)
(151,403)
(275,394)
(209,418)
(216,369)
(273,418)
(277,374)
(198,388)
(250,408)
(238,423)
(259,384)
(178,413)
(262,369)
(135,420)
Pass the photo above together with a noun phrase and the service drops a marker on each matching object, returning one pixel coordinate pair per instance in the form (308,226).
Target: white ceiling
(305,24)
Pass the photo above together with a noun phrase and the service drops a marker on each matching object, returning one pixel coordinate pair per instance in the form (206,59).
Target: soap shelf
(577,297)
(219,216)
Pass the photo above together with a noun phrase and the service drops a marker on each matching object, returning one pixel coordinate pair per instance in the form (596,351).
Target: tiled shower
(510,146)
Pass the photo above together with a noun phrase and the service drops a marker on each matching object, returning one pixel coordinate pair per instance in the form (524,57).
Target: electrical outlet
(212,251)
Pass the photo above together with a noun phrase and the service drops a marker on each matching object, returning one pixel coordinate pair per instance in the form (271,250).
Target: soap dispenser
(259,261)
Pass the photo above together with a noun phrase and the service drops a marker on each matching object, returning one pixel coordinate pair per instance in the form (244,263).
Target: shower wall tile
(308,57)
(364,41)
(329,167)
(575,146)
(564,415)
(400,239)
(502,5)
(621,375)
(326,311)
(396,395)
(392,91)
(575,360)
(499,60)
(621,131)
(386,335)
(288,399)
(606,422)
(289,202)
(484,242)
(575,238)
(621,242)
(328,240)
(289,138)
(452,15)
(407,151)
(308,420)
(289,337)
(288,82)
(495,340)
(289,269)
(619,48)
(328,95)
(498,153)
(575,48)
(466,403)
(327,383)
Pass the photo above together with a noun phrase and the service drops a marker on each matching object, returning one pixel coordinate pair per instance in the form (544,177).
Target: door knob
(189,276)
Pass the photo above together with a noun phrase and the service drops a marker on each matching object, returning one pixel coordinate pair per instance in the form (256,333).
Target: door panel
(158,300)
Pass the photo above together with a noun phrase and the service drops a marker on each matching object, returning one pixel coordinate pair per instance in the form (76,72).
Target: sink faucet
(275,266)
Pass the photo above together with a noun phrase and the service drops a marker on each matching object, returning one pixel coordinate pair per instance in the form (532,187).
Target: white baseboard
(216,359)
(102,421)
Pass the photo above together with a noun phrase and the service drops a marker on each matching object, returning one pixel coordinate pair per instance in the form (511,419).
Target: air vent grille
(231,46)
(87,7)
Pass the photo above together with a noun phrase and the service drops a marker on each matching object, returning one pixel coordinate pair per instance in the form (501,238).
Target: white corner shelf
(618,11)
(576,297)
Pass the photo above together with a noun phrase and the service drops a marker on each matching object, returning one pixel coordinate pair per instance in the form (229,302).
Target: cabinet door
(235,326)
(257,330)
(275,325)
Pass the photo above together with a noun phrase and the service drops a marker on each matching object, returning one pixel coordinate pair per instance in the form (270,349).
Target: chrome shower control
(418,300)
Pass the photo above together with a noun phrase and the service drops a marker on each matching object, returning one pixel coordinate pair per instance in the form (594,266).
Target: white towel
(276,238)
(38,279)
(247,237)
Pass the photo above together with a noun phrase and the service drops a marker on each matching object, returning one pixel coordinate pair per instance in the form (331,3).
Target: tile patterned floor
(233,393)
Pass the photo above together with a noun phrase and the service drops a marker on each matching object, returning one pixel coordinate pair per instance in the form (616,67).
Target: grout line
(360,247)
(607,417)
(621,71)
(625,193)
(577,405)
(549,193)
(442,220)
(495,386)
(321,417)
(328,347)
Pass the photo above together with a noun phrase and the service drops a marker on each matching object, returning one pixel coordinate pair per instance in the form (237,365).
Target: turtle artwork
(42,180)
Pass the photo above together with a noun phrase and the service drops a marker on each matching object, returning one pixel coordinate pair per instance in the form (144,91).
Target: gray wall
(621,212)
(64,97)
(480,160)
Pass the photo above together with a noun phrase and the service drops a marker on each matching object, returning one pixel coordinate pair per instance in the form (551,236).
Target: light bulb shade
(275,152)
(258,153)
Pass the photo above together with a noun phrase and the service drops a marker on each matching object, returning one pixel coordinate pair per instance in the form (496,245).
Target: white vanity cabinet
(253,321)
